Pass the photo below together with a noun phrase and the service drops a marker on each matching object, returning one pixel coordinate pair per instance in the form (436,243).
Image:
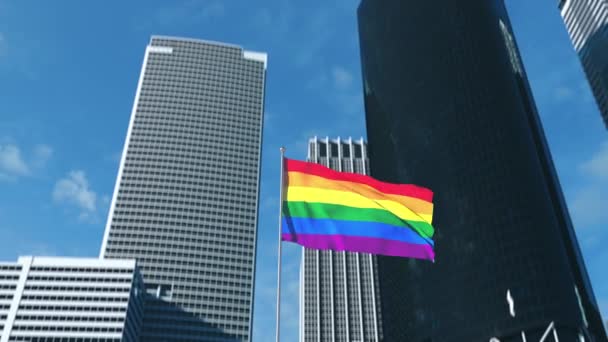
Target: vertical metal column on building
(338,320)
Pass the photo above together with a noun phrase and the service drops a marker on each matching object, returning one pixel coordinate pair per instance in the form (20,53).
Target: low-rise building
(70,299)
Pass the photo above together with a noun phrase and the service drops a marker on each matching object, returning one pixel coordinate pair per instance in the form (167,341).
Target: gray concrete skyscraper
(185,203)
(587,24)
(339,296)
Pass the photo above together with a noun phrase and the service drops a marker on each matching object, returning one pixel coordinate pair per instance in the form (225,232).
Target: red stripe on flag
(388,188)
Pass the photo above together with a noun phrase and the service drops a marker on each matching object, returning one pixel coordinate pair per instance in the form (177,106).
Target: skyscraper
(448,107)
(186,198)
(587,23)
(339,299)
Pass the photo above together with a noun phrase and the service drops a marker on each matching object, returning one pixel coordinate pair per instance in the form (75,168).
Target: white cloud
(597,166)
(74,189)
(11,162)
(589,205)
(563,92)
(190,12)
(14,163)
(591,200)
(213,9)
(349,103)
(342,78)
(42,153)
(106,199)
(309,37)
(270,202)
(338,90)
(263,18)
(268,117)
(3,46)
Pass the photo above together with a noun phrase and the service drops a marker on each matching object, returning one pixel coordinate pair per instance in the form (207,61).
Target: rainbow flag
(326,209)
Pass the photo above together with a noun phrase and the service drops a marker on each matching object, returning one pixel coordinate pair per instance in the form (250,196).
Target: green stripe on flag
(345,213)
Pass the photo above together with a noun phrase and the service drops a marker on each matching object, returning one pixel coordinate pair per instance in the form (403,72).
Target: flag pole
(278,324)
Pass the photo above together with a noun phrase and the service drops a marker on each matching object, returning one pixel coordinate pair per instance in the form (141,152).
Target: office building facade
(339,295)
(448,107)
(70,299)
(587,24)
(186,197)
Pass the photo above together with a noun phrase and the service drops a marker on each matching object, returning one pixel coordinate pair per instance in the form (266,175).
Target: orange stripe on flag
(299,179)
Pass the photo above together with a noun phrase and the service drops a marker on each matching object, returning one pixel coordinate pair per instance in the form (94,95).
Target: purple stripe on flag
(362,245)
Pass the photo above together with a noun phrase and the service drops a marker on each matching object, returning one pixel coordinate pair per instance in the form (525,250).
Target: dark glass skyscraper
(587,24)
(448,107)
(186,197)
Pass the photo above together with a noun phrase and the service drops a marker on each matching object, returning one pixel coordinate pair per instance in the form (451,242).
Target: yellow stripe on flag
(351,199)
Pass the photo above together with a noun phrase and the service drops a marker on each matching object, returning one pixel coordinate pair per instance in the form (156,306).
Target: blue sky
(68,72)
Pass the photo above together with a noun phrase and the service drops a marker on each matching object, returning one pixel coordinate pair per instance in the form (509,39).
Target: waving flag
(327,209)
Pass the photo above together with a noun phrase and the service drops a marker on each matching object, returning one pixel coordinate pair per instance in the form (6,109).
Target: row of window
(70,298)
(71,308)
(200,92)
(10,268)
(221,168)
(208,253)
(75,288)
(228,61)
(204,72)
(214,216)
(191,72)
(167,268)
(60,319)
(246,90)
(209,71)
(202,121)
(188,107)
(160,99)
(155,183)
(82,269)
(137,224)
(62,339)
(247,118)
(210,202)
(196,127)
(197,62)
(9,277)
(139,209)
(210,100)
(214,134)
(204,232)
(235,140)
(179,236)
(334,149)
(179,107)
(171,162)
(196,268)
(59,328)
(241,161)
(173,176)
(228,247)
(225,57)
(110,278)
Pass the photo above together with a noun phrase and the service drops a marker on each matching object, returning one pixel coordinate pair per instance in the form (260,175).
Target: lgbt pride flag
(327,209)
